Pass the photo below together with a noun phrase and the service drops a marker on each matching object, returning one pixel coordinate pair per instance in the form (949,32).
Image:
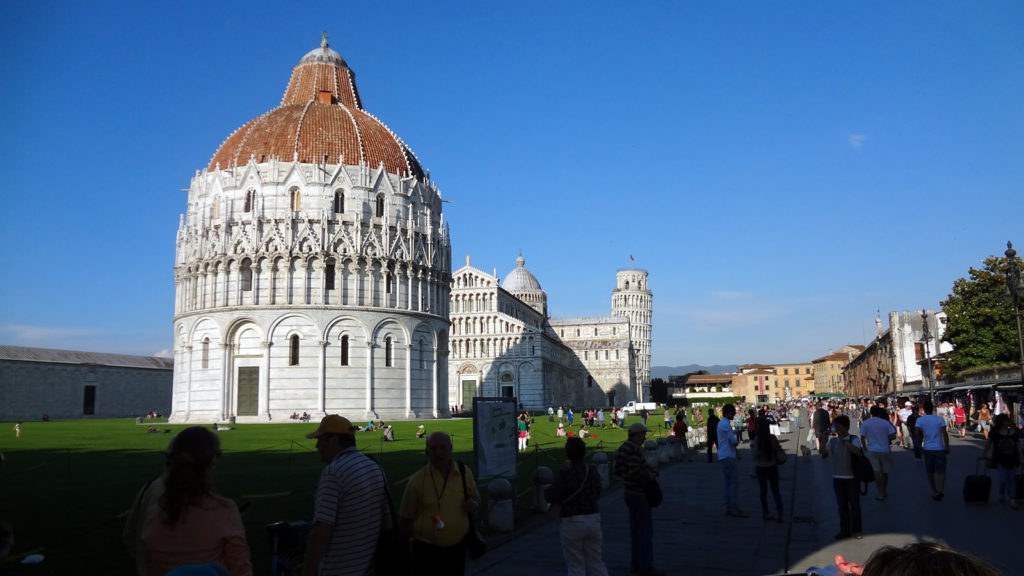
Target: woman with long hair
(1003,452)
(184,523)
(766,461)
(576,491)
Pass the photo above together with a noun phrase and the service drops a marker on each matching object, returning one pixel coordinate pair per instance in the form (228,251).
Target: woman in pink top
(189,524)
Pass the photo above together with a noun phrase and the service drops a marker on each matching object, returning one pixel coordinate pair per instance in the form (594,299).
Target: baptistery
(312,267)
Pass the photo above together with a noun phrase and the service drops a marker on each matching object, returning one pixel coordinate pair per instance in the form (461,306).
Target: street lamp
(1016,291)
(926,333)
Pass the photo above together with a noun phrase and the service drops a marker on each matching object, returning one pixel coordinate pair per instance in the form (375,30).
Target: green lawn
(66,485)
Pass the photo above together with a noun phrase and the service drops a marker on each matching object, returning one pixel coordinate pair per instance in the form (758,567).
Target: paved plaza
(693,536)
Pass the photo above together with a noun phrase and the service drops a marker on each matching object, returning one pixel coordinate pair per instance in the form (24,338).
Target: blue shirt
(932,427)
(726,440)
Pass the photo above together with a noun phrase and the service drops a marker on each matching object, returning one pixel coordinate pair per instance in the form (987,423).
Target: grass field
(66,485)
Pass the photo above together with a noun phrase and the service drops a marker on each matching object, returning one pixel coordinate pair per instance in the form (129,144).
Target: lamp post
(1016,291)
(926,334)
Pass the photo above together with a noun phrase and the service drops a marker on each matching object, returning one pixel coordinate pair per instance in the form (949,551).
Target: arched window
(296,200)
(344,350)
(250,200)
(380,206)
(423,354)
(215,208)
(590,381)
(388,360)
(339,201)
(206,353)
(627,284)
(293,351)
(595,330)
(245,271)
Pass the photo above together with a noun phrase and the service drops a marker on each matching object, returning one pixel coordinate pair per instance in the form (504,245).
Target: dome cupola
(320,120)
(522,284)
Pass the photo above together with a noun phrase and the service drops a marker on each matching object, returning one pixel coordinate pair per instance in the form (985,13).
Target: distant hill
(664,372)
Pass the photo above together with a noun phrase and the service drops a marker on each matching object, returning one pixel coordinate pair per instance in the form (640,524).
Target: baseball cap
(636,428)
(333,424)
(907,403)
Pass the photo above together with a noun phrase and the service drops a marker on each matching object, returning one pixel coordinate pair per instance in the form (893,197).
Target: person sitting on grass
(561,430)
(421,432)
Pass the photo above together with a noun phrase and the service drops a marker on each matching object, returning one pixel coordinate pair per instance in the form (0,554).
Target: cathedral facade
(312,266)
(504,344)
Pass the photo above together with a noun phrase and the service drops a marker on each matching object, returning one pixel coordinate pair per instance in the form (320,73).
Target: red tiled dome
(320,117)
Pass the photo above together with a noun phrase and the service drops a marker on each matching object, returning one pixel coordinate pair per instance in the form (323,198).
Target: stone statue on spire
(323,40)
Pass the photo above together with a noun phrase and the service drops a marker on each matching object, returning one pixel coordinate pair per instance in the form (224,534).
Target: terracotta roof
(837,356)
(320,120)
(695,379)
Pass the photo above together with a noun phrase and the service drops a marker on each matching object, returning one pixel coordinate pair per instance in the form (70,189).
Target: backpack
(863,472)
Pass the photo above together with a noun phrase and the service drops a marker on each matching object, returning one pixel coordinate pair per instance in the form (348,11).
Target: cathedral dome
(520,279)
(320,120)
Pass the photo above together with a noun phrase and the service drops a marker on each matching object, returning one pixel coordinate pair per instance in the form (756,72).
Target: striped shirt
(632,466)
(350,497)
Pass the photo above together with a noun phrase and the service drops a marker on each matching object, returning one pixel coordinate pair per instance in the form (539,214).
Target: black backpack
(863,472)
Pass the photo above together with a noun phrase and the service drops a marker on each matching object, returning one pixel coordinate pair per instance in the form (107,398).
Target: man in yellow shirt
(434,511)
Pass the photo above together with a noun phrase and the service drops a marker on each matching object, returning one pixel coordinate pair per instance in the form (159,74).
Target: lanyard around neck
(440,493)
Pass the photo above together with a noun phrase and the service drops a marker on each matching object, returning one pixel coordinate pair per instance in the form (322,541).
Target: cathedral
(504,344)
(313,274)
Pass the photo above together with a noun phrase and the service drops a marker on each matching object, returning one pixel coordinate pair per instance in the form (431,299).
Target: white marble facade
(313,267)
(503,343)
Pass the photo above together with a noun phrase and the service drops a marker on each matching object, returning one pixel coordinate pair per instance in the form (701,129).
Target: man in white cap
(905,413)
(351,504)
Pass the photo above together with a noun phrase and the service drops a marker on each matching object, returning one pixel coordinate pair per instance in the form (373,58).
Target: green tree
(659,391)
(980,323)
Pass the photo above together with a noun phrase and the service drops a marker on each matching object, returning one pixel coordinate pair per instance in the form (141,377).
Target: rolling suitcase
(977,486)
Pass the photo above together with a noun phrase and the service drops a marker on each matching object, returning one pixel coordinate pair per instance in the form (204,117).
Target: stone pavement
(694,536)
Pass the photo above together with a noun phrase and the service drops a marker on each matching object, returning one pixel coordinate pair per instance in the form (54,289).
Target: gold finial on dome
(323,40)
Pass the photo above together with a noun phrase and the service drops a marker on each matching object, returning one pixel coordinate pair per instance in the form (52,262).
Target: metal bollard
(500,509)
(542,478)
(600,460)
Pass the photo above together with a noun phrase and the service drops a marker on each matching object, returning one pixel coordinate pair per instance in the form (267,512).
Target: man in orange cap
(351,504)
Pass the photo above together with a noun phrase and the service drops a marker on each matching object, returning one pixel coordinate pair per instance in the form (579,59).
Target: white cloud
(42,335)
(165,353)
(856,140)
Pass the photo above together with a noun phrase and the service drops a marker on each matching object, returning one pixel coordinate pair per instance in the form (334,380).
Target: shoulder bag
(393,555)
(474,541)
(653,492)
(555,509)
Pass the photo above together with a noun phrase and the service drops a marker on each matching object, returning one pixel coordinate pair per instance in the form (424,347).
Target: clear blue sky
(782,169)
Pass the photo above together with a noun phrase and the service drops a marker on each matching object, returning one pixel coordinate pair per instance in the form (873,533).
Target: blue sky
(782,169)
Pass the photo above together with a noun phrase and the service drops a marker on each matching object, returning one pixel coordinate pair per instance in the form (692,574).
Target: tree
(980,323)
(659,391)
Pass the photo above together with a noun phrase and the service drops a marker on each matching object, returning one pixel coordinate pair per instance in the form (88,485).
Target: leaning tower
(632,299)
